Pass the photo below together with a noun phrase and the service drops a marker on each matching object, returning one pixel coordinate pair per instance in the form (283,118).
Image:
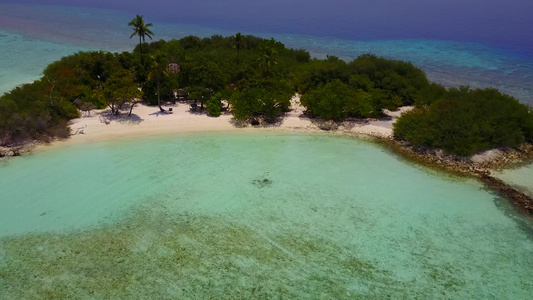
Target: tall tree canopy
(461,121)
(158,66)
(465,121)
(141,29)
(238,38)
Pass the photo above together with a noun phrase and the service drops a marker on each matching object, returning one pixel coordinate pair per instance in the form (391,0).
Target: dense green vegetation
(337,101)
(80,82)
(258,77)
(368,83)
(140,29)
(464,121)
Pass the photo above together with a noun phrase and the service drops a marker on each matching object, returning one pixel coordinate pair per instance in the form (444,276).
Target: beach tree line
(464,121)
(257,78)
(73,85)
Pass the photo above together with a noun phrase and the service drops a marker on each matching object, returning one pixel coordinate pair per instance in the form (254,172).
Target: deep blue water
(504,24)
(479,43)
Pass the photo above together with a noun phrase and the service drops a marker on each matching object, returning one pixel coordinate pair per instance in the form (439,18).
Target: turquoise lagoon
(252,215)
(264,215)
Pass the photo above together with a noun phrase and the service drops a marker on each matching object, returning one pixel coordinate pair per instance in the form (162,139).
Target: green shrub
(467,121)
(337,101)
(213,106)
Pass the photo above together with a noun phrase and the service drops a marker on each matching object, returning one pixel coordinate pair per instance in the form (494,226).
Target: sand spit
(149,121)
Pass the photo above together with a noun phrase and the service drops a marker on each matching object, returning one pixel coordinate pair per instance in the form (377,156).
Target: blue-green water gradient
(291,215)
(449,60)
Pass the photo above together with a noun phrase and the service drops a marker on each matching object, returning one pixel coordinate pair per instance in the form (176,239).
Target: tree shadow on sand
(257,123)
(239,123)
(353,123)
(197,111)
(132,119)
(326,125)
(160,113)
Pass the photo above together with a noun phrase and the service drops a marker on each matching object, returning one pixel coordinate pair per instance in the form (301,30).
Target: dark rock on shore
(518,199)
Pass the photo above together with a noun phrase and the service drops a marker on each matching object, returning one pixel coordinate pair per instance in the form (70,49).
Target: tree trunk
(133,103)
(53,84)
(159,97)
(238,52)
(140,47)
(113,110)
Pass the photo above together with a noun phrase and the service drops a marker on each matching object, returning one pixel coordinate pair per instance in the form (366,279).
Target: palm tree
(238,46)
(140,29)
(268,59)
(158,71)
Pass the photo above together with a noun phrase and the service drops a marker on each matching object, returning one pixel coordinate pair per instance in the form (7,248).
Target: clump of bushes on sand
(464,121)
(76,83)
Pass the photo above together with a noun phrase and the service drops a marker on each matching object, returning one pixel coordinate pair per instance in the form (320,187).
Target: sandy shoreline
(149,121)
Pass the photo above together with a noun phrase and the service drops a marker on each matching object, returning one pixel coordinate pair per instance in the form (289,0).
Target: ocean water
(521,178)
(264,216)
(252,215)
(455,42)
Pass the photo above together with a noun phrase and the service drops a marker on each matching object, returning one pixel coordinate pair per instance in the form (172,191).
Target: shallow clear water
(334,218)
(521,178)
(252,215)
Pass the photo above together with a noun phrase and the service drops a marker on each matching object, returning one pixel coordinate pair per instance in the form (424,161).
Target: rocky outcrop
(518,199)
(14,151)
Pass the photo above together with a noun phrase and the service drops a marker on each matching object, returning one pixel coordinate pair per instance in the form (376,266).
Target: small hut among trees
(173,68)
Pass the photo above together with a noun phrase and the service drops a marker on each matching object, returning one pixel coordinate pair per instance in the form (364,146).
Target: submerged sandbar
(266,215)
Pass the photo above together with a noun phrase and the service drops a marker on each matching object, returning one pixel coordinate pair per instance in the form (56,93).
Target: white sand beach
(148,121)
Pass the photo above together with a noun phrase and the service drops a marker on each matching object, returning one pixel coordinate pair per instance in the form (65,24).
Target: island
(244,81)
